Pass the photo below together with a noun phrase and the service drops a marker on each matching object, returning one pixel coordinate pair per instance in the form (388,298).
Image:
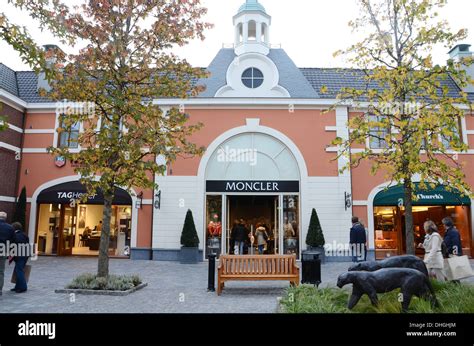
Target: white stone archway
(253,126)
(67,179)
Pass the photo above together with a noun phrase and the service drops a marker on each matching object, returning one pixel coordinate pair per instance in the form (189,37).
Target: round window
(252,78)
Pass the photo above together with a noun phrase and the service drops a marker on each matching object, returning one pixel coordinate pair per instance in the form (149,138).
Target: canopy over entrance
(438,196)
(74,190)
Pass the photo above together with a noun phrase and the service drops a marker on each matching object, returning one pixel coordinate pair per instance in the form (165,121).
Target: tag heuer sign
(60,161)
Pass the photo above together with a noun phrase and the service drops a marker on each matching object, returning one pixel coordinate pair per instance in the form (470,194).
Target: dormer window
(252,78)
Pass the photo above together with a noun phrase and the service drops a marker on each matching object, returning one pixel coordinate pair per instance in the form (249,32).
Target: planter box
(189,255)
(101,293)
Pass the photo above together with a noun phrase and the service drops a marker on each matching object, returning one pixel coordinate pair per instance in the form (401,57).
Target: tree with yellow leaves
(412,117)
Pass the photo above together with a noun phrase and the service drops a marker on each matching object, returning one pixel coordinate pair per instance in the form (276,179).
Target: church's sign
(252,186)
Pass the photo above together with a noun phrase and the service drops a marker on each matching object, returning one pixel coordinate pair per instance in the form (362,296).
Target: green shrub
(315,236)
(453,298)
(189,236)
(111,283)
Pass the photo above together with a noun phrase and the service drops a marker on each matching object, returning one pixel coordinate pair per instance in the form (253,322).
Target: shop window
(291,227)
(69,138)
(377,134)
(389,225)
(48,228)
(213,225)
(386,222)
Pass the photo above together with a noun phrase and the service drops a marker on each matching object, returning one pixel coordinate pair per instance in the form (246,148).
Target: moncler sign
(252,186)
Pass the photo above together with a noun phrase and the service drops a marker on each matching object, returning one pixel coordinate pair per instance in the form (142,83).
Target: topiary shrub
(189,236)
(20,209)
(315,236)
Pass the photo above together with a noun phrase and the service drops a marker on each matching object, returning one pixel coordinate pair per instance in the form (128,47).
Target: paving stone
(172,288)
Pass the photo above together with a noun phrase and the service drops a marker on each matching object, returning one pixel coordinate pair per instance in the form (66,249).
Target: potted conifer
(189,253)
(315,238)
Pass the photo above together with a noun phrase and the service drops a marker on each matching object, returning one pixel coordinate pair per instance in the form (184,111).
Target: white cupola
(252,29)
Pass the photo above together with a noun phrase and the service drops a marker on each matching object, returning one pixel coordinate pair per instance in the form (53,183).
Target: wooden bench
(256,268)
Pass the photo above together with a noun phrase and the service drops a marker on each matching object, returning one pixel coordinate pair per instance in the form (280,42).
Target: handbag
(458,267)
(27,274)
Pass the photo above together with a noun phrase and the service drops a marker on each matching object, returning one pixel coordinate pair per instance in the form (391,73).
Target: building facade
(268,160)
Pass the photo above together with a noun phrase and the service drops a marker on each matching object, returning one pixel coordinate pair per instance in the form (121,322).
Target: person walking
(20,261)
(452,238)
(358,239)
(262,237)
(6,237)
(239,234)
(433,256)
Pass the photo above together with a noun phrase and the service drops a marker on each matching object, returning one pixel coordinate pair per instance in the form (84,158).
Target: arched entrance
(255,178)
(63,225)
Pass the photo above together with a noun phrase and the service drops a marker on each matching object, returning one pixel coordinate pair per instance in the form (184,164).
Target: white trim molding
(331,128)
(40,131)
(14,128)
(7,199)
(360,203)
(10,147)
(35,150)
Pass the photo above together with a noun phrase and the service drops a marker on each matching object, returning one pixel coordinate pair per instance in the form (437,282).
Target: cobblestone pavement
(172,288)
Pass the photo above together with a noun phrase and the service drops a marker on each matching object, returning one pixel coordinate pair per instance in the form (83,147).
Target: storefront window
(387,240)
(213,225)
(390,227)
(291,229)
(48,228)
(64,230)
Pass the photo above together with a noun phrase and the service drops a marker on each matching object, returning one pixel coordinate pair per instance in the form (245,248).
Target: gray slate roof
(291,77)
(334,79)
(28,87)
(300,82)
(8,80)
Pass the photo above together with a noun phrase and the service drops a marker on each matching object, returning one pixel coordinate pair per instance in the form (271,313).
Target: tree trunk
(103,267)
(410,237)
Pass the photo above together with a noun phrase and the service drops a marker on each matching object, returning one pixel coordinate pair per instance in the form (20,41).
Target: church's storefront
(434,205)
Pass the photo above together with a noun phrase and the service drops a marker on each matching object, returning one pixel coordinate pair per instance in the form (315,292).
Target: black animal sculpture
(411,282)
(407,261)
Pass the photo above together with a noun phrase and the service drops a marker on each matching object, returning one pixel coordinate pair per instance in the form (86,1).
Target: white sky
(309,30)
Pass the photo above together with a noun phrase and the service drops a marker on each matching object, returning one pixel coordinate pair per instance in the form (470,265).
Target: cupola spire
(252,29)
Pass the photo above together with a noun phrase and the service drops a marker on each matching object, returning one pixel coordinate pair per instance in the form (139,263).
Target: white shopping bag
(458,267)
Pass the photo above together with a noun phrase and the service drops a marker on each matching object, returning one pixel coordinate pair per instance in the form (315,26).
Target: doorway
(254,211)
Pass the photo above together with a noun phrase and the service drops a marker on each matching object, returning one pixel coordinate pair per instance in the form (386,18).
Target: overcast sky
(309,30)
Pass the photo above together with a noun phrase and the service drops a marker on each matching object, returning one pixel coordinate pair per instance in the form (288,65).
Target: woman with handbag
(433,255)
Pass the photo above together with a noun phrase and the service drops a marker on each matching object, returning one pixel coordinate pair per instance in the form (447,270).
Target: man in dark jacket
(239,235)
(452,238)
(6,238)
(20,261)
(358,240)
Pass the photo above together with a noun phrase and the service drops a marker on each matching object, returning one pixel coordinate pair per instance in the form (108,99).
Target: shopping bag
(458,267)
(27,274)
